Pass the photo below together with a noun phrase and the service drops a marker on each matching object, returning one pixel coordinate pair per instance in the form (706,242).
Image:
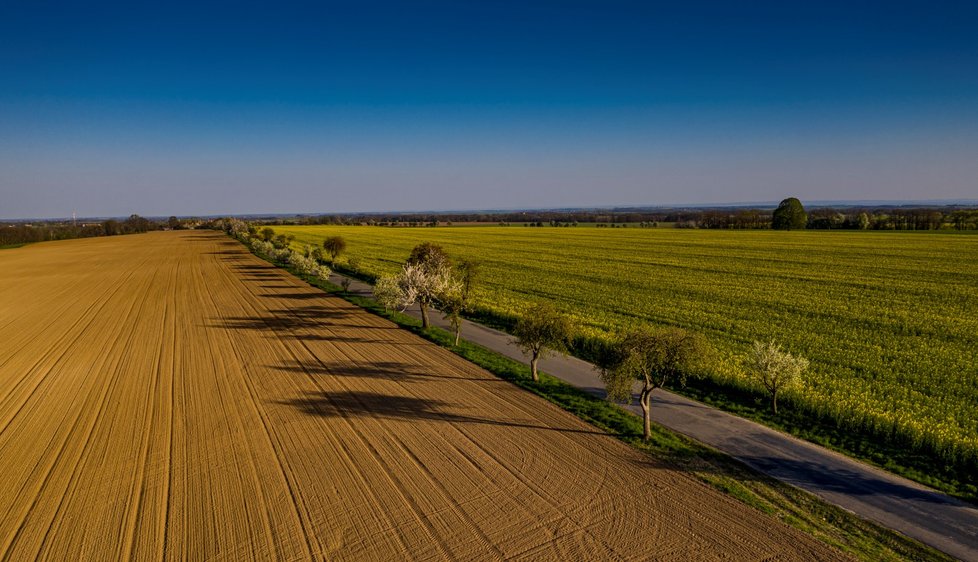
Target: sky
(204,108)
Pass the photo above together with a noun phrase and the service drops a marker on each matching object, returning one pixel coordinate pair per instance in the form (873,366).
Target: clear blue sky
(238,107)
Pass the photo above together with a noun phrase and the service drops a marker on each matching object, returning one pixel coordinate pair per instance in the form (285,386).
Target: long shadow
(253,267)
(839,480)
(355,339)
(294,296)
(227,253)
(301,318)
(203,237)
(381,369)
(352,404)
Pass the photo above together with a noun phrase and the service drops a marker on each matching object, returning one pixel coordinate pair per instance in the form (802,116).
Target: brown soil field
(170,396)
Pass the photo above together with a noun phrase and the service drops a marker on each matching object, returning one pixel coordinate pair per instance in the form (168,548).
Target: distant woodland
(14,233)
(849,218)
(25,232)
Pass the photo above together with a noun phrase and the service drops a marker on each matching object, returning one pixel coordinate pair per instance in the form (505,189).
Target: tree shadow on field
(382,369)
(241,253)
(254,267)
(354,404)
(285,322)
(338,338)
(294,296)
(251,272)
(209,238)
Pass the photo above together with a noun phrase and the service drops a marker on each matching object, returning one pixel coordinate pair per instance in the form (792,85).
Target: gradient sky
(240,107)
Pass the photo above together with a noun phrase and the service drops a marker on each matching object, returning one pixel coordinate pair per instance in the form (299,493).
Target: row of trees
(652,358)
(791,215)
(649,357)
(275,248)
(642,356)
(25,233)
(878,217)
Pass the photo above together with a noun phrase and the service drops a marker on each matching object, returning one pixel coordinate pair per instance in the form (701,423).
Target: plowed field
(169,396)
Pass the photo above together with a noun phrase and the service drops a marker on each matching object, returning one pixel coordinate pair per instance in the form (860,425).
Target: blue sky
(238,107)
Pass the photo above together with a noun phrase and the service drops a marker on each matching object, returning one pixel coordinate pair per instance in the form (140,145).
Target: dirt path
(917,511)
(169,396)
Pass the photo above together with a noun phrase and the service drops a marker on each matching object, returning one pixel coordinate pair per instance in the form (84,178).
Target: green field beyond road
(889,320)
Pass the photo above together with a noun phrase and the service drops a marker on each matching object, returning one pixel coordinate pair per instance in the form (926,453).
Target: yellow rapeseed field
(889,320)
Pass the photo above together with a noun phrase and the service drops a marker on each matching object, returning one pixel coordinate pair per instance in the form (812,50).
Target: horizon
(756,205)
(227,109)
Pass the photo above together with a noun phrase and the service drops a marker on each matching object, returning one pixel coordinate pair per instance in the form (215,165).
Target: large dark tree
(429,256)
(790,215)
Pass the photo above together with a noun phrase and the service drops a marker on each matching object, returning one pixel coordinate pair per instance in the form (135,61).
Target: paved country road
(919,512)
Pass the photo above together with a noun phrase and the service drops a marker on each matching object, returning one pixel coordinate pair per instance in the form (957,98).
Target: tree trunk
(646,398)
(458,332)
(774,402)
(533,366)
(424,315)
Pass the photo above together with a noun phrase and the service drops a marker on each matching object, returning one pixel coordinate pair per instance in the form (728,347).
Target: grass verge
(834,526)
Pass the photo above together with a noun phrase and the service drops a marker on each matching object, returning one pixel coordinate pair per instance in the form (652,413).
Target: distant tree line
(825,218)
(817,218)
(12,233)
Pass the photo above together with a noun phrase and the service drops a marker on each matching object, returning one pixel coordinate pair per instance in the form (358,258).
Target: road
(931,517)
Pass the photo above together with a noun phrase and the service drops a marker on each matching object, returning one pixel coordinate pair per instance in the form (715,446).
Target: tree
(267,234)
(414,284)
(432,273)
(540,328)
(429,256)
(653,358)
(281,241)
(174,223)
(455,300)
(453,305)
(864,221)
(136,223)
(389,292)
(111,227)
(790,215)
(469,272)
(334,246)
(776,369)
